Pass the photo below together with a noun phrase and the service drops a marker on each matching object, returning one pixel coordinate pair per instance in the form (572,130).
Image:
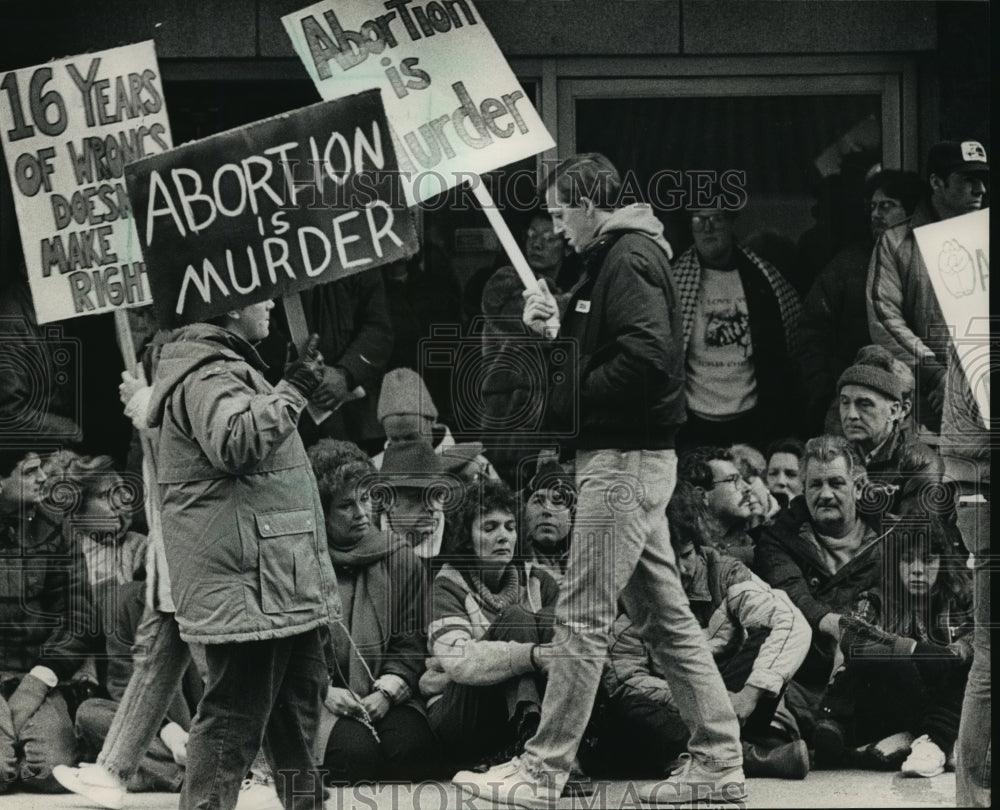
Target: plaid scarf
(687,277)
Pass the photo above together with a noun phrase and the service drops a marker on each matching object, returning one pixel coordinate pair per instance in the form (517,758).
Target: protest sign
(68,129)
(270,209)
(454,104)
(956,252)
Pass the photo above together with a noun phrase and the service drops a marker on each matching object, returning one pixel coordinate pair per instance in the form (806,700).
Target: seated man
(407,412)
(43,606)
(823,551)
(871,410)
(726,495)
(412,490)
(547,510)
(758,639)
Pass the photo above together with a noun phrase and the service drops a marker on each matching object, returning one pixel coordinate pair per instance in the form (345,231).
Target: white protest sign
(454,104)
(956,252)
(68,128)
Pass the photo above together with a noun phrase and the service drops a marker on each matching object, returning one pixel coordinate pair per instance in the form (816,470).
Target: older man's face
(867,416)
(831,496)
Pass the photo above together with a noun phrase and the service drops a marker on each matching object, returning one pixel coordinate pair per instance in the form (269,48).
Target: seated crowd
(836,614)
(816,539)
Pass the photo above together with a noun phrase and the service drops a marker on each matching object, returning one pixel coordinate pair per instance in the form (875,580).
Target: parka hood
(188,349)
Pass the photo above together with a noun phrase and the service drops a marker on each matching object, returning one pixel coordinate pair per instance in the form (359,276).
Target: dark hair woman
(908,649)
(490,613)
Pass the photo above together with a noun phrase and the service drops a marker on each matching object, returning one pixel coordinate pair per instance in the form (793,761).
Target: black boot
(788,761)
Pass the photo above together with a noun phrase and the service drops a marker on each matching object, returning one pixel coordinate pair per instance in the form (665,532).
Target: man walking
(245,542)
(630,393)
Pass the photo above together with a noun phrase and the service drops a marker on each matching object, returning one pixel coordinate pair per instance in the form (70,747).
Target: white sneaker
(511,784)
(93,782)
(925,758)
(694,782)
(257,793)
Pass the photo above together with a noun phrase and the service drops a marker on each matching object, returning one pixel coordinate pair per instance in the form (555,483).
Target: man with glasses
(726,495)
(835,316)
(740,319)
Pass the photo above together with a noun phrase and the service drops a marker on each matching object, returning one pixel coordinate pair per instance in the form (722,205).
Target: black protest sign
(270,209)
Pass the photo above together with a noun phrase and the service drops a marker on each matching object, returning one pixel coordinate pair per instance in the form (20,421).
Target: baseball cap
(956,156)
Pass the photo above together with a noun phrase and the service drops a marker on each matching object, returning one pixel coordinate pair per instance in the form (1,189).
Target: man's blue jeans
(621,547)
(974,768)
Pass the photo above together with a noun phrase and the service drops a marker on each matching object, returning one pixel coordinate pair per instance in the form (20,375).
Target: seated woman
(907,651)
(484,679)
(375,726)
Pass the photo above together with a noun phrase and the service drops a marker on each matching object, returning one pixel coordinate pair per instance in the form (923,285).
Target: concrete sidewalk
(819,789)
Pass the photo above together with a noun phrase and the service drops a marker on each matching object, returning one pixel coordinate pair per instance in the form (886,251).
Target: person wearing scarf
(484,679)
(374,726)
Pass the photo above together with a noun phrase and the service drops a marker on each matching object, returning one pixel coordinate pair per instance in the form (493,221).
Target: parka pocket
(290,578)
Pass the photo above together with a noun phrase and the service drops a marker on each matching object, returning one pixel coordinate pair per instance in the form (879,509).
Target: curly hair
(932,539)
(694,468)
(479,499)
(337,463)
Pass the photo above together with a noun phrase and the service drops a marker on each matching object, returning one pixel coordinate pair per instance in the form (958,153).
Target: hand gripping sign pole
(510,245)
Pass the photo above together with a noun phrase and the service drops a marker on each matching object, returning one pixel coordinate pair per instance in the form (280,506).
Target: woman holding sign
(245,542)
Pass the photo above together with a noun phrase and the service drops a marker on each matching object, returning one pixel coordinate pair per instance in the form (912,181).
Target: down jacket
(788,557)
(739,602)
(243,526)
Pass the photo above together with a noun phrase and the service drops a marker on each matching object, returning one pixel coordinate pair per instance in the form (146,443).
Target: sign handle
(510,245)
(299,330)
(126,344)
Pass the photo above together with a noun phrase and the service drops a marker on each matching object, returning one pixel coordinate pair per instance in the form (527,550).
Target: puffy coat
(788,557)
(739,602)
(243,527)
(903,310)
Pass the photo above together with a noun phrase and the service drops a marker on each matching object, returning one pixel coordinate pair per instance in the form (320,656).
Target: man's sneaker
(925,759)
(92,782)
(695,782)
(257,793)
(511,784)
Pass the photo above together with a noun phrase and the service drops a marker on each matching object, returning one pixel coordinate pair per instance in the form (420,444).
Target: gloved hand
(306,372)
(332,390)
(861,640)
(28,696)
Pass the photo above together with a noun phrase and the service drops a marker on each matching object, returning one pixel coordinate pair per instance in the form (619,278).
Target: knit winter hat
(873,369)
(404,391)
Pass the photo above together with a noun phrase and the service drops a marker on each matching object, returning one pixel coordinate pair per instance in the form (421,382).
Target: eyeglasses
(733,479)
(883,205)
(699,221)
(545,237)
